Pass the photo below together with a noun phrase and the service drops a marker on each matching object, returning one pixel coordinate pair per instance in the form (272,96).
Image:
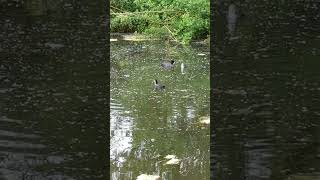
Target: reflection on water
(258,160)
(121,137)
(266,98)
(232,19)
(52,102)
(146,125)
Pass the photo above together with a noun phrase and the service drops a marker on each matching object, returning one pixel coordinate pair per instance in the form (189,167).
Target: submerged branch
(117,9)
(172,34)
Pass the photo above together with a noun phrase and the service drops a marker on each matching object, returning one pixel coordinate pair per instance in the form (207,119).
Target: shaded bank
(53,104)
(266,95)
(141,37)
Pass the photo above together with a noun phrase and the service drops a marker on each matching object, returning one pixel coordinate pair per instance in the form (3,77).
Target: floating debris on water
(204,120)
(173,160)
(148,177)
(182,68)
(170,157)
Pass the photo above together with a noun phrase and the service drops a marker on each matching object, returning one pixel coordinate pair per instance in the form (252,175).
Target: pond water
(52,92)
(147,125)
(266,91)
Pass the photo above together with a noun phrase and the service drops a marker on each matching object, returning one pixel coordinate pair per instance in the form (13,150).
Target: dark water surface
(52,90)
(146,126)
(266,96)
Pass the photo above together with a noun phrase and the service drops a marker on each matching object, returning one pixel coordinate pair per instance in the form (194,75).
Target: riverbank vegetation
(179,20)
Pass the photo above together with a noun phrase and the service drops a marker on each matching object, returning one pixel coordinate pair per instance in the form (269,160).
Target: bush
(127,24)
(178,19)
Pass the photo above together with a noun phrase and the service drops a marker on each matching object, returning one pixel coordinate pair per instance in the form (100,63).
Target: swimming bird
(157,86)
(167,65)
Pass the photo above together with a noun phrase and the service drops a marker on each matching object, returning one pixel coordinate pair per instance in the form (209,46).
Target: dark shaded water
(266,91)
(52,90)
(146,126)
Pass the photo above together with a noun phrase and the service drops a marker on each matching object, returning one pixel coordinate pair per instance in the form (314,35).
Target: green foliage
(126,24)
(158,32)
(127,5)
(178,19)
